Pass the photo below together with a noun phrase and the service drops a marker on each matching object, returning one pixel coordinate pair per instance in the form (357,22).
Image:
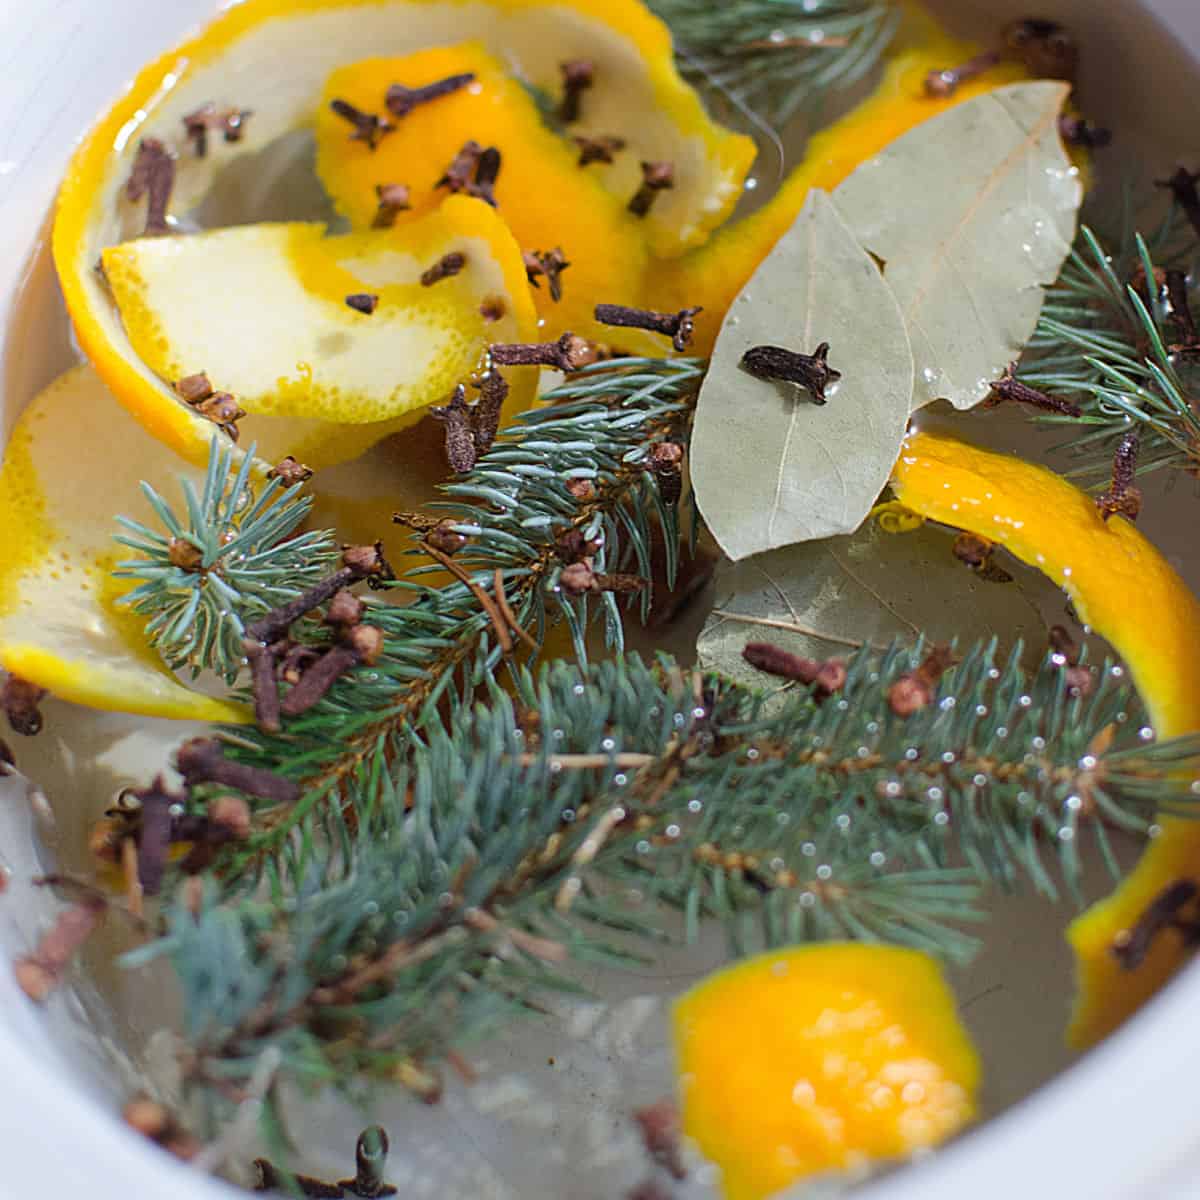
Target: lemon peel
(1124,589)
(75,457)
(820,1058)
(284,341)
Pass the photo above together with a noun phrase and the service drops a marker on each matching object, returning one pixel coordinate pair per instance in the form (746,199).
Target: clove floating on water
(811,371)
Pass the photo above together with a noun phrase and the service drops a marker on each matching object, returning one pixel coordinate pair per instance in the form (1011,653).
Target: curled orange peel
(820,1058)
(74,459)
(1124,589)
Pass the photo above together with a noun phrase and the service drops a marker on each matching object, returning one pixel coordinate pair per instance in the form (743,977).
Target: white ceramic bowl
(1120,1124)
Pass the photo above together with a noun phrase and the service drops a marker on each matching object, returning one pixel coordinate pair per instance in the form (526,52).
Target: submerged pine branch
(569,823)
(1117,337)
(777,57)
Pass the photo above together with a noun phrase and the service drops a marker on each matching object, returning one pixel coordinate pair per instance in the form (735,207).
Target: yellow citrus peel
(74,459)
(262,309)
(274,57)
(1125,590)
(820,1058)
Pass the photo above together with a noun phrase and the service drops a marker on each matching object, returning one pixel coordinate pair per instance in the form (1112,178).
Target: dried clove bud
(1075,131)
(20,700)
(487,171)
(231,813)
(1131,946)
(360,645)
(660,1129)
(572,547)
(445,538)
(656,177)
(493,391)
(231,122)
(393,199)
(1009,387)
(401,100)
(1176,286)
(598,149)
(942,83)
(154,1121)
(1045,47)
(156,809)
(194,388)
(568,353)
(829,676)
(460,432)
(551,264)
(811,371)
(262,662)
(223,410)
(578,75)
(977,553)
(183,554)
(202,760)
(363,302)
(293,661)
(370,1160)
(459,173)
(581,578)
(272,1179)
(290,472)
(665,462)
(1122,495)
(1182,186)
(447,265)
(677,326)
(152,176)
(368,127)
(345,610)
(1065,653)
(916,689)
(41,972)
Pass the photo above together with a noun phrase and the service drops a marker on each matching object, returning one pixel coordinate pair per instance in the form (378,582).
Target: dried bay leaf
(972,212)
(769,466)
(872,587)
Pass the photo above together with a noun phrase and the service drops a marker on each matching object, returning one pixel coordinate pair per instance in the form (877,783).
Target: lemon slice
(274,56)
(74,459)
(282,337)
(820,1058)
(1129,594)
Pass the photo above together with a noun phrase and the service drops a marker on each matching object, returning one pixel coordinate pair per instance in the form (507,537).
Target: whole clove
(1009,387)
(1131,946)
(271,1179)
(1122,495)
(1175,283)
(152,176)
(578,75)
(1046,48)
(826,677)
(978,553)
(230,122)
(1075,131)
(42,971)
(917,689)
(569,353)
(446,266)
(598,149)
(194,388)
(460,431)
(202,760)
(154,1120)
(223,411)
(363,302)
(581,578)
(289,472)
(665,462)
(1065,654)
(493,391)
(157,811)
(401,100)
(943,82)
(811,371)
(360,645)
(368,127)
(1182,186)
(394,198)
(656,177)
(20,701)
(459,173)
(487,171)
(678,326)
(548,263)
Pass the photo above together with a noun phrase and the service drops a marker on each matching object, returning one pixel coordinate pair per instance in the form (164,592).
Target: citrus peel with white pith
(820,1058)
(74,459)
(262,310)
(1125,590)
(273,57)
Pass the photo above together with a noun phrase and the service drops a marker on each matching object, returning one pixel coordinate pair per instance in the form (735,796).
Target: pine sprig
(508,844)
(1105,341)
(514,507)
(777,57)
(231,557)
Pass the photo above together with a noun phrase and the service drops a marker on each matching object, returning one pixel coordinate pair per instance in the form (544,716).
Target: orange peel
(1124,589)
(75,457)
(820,1058)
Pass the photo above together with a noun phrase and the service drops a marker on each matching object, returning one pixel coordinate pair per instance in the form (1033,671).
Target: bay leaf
(972,212)
(769,466)
(870,587)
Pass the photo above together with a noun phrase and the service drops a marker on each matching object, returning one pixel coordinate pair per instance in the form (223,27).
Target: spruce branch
(510,842)
(231,557)
(1116,337)
(779,56)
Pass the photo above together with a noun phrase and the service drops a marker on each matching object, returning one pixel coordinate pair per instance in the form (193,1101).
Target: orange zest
(1125,590)
(820,1058)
